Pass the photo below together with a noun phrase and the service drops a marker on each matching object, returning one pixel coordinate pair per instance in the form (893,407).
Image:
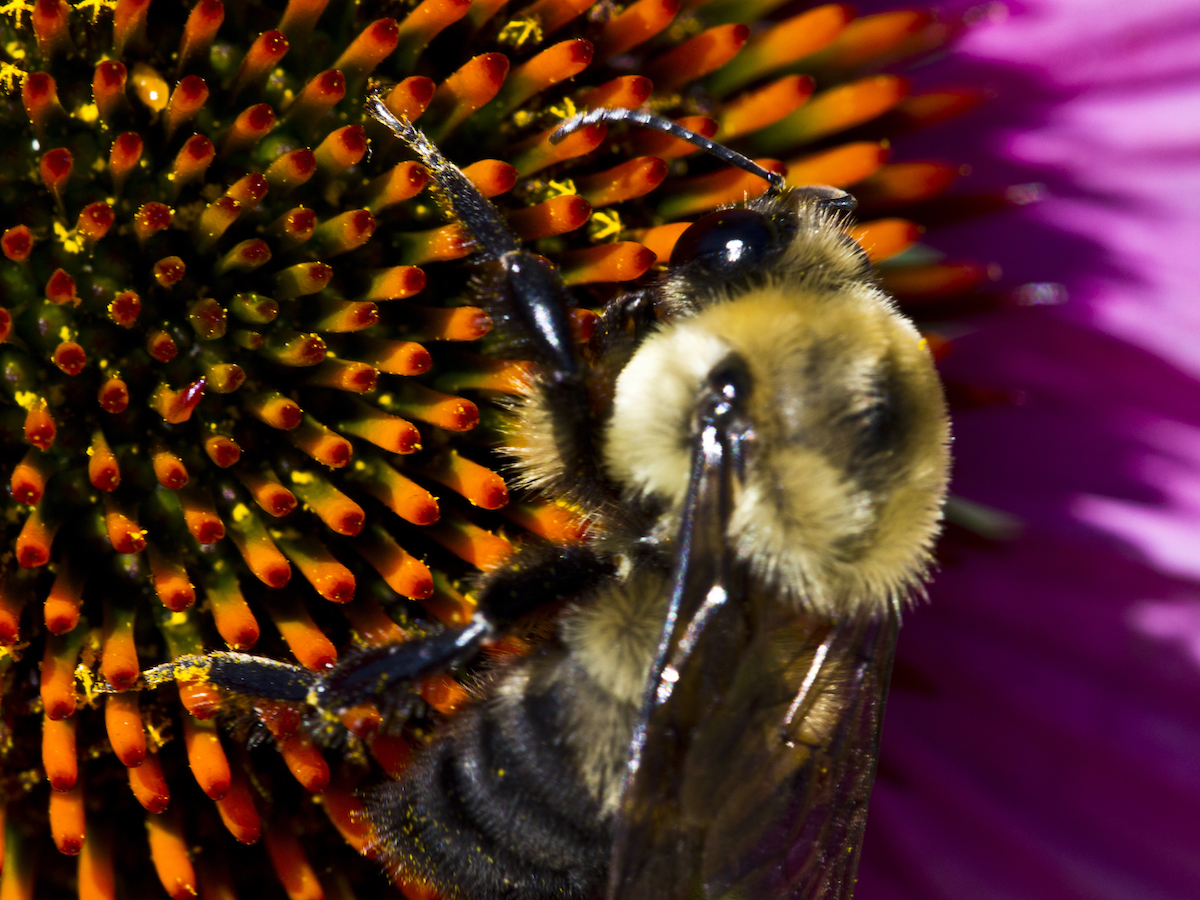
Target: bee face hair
(847,462)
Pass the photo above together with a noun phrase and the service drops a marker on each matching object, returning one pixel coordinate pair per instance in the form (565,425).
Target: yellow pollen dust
(70,241)
(240,512)
(25,399)
(96,6)
(522,31)
(605,224)
(11,77)
(302,478)
(14,8)
(566,109)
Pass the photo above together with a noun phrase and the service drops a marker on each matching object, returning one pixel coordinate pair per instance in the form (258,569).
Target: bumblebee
(760,443)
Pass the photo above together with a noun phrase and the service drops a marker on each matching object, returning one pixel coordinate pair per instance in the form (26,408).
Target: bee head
(846,460)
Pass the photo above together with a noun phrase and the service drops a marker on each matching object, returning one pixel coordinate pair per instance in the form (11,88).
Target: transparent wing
(756,751)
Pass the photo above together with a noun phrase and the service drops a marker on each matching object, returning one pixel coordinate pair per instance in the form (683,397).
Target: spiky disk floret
(236,405)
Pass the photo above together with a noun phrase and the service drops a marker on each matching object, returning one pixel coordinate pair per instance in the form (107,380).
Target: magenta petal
(1043,735)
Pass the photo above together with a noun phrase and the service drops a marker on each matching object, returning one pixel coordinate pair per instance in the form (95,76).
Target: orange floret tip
(223,450)
(40,428)
(400,183)
(108,88)
(475,83)
(69,357)
(443,410)
(94,221)
(302,279)
(248,128)
(125,154)
(401,495)
(59,658)
(345,232)
(187,99)
(307,642)
(266,51)
(478,484)
(39,94)
(60,289)
(161,346)
(291,170)
(124,533)
(626,181)
(235,622)
(341,149)
(245,256)
(395,283)
(103,471)
(329,578)
(170,580)
(832,111)
(470,543)
(177,406)
(198,33)
(698,56)
(51,26)
(119,661)
(58,752)
(169,853)
(17,243)
(206,757)
(150,219)
(344,375)
(238,812)
(323,91)
(67,826)
(129,24)
(64,601)
(113,396)
(384,430)
(425,23)
(369,49)
(637,24)
(558,215)
(28,481)
(148,784)
(126,732)
(411,96)
(622,261)
(305,762)
(192,161)
(885,238)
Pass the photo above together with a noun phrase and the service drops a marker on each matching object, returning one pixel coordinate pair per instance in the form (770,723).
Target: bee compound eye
(725,240)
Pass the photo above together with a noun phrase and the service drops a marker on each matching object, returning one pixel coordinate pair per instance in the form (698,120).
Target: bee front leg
(537,302)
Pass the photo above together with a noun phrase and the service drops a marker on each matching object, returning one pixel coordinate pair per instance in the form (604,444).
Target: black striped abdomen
(494,808)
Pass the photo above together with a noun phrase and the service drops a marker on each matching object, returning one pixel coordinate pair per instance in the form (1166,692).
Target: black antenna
(658,123)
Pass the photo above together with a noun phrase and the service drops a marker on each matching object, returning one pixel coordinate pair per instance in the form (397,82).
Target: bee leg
(535,577)
(254,676)
(536,297)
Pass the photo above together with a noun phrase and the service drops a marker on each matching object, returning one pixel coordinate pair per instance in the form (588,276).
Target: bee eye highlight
(725,240)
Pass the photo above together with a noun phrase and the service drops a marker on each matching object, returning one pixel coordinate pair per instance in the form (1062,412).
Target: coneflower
(249,394)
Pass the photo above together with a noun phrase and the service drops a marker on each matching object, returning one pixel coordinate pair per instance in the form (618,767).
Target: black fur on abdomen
(493,809)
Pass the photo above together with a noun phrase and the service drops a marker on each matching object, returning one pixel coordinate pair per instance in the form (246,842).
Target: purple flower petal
(1043,736)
